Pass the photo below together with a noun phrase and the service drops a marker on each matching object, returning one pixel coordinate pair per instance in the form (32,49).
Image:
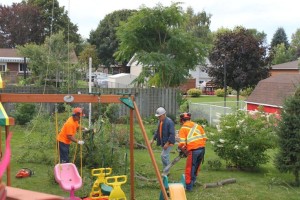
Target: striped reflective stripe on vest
(194,134)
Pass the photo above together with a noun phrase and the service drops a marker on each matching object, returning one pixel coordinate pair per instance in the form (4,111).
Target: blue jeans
(165,156)
(64,152)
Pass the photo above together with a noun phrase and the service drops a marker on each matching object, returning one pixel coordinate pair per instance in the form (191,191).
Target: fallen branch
(220,183)
(140,177)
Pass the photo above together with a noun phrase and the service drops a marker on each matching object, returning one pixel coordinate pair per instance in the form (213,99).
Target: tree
(295,44)
(288,157)
(282,55)
(49,61)
(158,40)
(18,25)
(244,57)
(279,37)
(198,24)
(89,51)
(56,19)
(104,37)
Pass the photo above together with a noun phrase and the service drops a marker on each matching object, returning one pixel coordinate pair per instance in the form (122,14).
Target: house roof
(10,55)
(288,65)
(8,52)
(274,90)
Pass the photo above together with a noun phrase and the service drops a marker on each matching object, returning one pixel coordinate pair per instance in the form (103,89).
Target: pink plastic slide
(67,176)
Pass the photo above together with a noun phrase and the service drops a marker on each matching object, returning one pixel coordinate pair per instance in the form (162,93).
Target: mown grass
(264,183)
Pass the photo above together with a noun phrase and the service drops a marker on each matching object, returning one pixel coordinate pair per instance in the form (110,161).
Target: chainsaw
(182,154)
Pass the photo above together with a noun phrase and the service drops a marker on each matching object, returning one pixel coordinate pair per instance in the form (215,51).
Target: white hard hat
(160,111)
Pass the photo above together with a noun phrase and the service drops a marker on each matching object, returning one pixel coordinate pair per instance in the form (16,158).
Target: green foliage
(194,92)
(89,51)
(214,164)
(201,121)
(288,157)
(112,112)
(104,37)
(247,91)
(24,113)
(243,139)
(279,37)
(282,54)
(48,59)
(219,92)
(295,43)
(160,43)
(56,19)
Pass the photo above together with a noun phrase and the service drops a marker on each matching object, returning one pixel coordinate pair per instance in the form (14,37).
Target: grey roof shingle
(288,65)
(274,90)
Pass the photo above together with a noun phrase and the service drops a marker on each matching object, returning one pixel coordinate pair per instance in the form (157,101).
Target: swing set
(71,180)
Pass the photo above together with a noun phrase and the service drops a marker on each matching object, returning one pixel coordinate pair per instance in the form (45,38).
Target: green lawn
(265,183)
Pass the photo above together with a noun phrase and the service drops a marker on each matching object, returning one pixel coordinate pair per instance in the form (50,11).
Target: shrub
(244,138)
(194,92)
(246,92)
(219,92)
(201,121)
(214,164)
(24,113)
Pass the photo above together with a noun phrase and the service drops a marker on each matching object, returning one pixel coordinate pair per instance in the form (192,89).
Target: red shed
(271,92)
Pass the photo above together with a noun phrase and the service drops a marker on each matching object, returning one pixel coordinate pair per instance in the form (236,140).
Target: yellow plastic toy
(99,184)
(116,181)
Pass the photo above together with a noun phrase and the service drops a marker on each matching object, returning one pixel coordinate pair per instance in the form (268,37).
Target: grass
(264,183)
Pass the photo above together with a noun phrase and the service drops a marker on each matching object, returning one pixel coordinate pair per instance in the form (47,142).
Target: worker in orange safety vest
(192,139)
(67,134)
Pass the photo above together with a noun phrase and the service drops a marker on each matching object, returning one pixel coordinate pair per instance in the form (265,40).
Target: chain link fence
(212,111)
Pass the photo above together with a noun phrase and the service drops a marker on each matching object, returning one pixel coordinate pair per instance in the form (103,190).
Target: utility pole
(225,84)
(24,67)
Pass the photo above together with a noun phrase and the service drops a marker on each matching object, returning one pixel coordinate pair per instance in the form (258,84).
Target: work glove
(81,142)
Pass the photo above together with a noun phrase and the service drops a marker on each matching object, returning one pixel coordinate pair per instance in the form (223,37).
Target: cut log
(220,183)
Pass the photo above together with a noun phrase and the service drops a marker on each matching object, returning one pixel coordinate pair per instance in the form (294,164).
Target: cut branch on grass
(219,183)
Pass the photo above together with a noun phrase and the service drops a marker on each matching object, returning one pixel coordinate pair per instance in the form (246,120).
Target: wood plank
(58,98)
(20,194)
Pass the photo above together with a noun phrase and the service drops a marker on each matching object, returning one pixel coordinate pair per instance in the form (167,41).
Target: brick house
(271,92)
(12,65)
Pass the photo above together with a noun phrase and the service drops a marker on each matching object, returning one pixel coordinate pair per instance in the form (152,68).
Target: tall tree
(159,41)
(295,43)
(20,24)
(198,24)
(104,37)
(89,51)
(288,157)
(279,37)
(49,61)
(243,56)
(282,55)
(56,19)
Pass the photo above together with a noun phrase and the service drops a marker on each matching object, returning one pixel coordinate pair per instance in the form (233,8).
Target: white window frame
(22,71)
(5,67)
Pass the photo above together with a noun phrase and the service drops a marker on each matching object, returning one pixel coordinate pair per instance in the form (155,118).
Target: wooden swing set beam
(58,98)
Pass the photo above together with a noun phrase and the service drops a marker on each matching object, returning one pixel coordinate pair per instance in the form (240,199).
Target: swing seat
(67,176)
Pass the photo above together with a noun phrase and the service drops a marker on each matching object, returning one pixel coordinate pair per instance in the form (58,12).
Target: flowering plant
(243,139)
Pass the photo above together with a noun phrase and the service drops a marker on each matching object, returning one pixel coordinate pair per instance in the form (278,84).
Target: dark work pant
(64,152)
(193,163)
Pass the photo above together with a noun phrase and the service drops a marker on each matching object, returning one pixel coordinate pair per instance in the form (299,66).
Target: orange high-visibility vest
(192,136)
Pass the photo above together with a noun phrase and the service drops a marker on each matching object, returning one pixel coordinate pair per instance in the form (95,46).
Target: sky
(264,15)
